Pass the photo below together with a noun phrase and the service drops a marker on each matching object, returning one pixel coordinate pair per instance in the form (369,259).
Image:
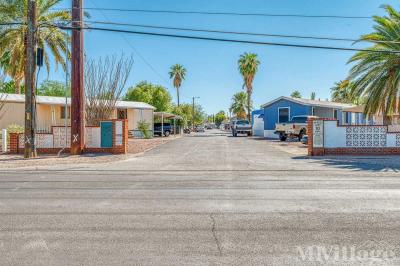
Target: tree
(104,82)
(313,96)
(248,67)
(376,71)
(239,104)
(177,74)
(295,94)
(54,88)
(186,110)
(341,92)
(154,95)
(51,39)
(219,118)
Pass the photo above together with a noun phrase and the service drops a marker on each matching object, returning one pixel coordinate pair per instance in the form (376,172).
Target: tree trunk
(387,120)
(177,94)
(249,105)
(17,85)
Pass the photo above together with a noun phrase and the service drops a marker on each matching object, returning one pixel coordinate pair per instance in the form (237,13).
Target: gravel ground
(136,146)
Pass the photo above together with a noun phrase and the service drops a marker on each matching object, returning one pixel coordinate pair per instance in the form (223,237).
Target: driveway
(205,199)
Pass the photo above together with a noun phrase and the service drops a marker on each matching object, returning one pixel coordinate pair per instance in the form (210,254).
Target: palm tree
(313,96)
(177,74)
(295,94)
(239,104)
(376,72)
(50,38)
(248,67)
(341,92)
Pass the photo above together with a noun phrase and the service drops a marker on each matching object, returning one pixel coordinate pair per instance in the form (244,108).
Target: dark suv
(168,129)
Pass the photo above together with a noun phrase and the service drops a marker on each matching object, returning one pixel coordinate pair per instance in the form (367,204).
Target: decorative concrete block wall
(60,138)
(327,137)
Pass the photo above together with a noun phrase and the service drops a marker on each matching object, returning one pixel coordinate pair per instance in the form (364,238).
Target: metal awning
(167,115)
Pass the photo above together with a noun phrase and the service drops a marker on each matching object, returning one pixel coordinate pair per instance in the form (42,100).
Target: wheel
(249,134)
(283,137)
(167,133)
(301,134)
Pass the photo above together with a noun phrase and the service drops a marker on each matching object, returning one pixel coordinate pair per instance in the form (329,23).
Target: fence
(108,139)
(326,137)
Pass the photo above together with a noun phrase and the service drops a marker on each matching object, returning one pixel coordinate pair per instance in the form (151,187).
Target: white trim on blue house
(310,103)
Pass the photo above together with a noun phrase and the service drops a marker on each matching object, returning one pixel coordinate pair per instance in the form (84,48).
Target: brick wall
(115,149)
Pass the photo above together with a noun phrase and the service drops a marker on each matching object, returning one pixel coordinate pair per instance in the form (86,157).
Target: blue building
(284,108)
(257,121)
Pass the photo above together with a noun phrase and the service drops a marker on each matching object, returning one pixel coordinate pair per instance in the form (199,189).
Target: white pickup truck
(241,127)
(296,128)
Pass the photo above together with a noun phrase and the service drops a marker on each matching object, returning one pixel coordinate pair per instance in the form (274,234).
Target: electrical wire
(190,12)
(232,40)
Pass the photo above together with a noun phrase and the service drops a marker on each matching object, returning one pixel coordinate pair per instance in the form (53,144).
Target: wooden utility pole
(30,81)
(193,111)
(77,80)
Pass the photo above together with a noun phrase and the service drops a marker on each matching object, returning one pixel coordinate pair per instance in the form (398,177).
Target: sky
(212,72)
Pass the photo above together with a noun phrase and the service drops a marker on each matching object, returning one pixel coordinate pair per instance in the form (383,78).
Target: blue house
(284,108)
(257,121)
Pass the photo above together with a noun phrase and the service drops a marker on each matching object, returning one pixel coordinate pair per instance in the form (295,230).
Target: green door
(106,134)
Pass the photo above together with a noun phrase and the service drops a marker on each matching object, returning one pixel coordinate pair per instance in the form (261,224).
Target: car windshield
(242,122)
(159,124)
(299,119)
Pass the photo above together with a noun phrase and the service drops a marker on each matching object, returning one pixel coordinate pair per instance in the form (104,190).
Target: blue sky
(212,66)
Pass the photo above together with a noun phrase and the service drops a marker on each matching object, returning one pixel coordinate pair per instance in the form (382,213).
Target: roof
(167,115)
(355,109)
(51,100)
(310,102)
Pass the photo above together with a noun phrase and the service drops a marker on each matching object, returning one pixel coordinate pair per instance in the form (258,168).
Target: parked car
(296,128)
(200,129)
(168,129)
(241,127)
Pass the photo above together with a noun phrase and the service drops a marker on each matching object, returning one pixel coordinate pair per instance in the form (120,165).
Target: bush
(144,128)
(14,128)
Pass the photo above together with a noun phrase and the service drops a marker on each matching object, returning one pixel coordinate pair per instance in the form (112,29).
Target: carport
(165,115)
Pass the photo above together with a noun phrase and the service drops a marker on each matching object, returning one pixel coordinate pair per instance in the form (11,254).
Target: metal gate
(106,134)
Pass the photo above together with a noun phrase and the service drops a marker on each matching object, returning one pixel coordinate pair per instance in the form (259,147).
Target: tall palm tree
(177,74)
(342,92)
(376,74)
(239,104)
(248,67)
(50,38)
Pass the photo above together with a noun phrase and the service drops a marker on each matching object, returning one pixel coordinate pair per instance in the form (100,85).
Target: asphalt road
(207,199)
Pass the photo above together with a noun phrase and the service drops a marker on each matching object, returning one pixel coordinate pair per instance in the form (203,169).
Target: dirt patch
(53,161)
(290,146)
(142,145)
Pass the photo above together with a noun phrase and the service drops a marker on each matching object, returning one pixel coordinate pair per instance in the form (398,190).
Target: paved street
(205,199)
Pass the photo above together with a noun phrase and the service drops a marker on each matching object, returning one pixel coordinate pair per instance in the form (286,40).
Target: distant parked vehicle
(167,127)
(241,127)
(200,129)
(296,128)
(187,131)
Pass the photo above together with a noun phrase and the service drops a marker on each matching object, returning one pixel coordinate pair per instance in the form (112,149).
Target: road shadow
(357,163)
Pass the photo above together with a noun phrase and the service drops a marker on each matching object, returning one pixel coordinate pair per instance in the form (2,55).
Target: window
(283,115)
(122,114)
(62,114)
(335,114)
(346,117)
(242,122)
(299,119)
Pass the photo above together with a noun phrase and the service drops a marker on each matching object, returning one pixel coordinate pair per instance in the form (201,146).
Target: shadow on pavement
(358,163)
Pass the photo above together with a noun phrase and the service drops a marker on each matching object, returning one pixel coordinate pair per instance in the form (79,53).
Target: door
(106,134)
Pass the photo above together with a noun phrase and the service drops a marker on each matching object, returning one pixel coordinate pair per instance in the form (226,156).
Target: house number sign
(318,133)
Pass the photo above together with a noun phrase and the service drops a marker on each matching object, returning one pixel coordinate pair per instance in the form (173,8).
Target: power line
(236,32)
(226,13)
(136,51)
(233,40)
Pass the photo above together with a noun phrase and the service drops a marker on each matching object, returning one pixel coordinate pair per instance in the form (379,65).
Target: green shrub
(144,128)
(14,128)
